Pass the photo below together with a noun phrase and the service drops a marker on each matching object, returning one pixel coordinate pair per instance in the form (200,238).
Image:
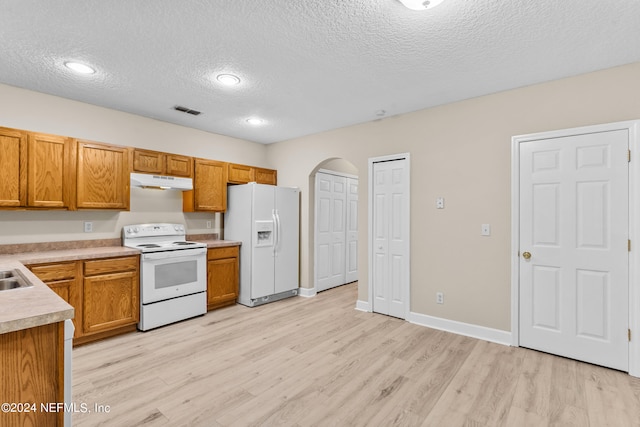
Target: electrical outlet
(208,224)
(440,203)
(439,298)
(88,227)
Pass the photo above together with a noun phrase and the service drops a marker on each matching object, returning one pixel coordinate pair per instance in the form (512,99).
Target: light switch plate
(486,230)
(440,203)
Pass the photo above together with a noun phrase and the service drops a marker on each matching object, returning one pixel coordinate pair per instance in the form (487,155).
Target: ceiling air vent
(187,110)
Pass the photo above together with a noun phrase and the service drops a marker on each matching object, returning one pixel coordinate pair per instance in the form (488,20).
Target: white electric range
(173,273)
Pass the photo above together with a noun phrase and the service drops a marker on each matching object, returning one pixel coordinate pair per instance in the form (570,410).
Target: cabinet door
(148,161)
(240,174)
(64,280)
(110,301)
(49,171)
(266,176)
(13,173)
(222,277)
(69,290)
(179,165)
(209,187)
(32,368)
(103,176)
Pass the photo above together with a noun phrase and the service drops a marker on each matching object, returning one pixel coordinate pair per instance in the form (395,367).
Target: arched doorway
(333,217)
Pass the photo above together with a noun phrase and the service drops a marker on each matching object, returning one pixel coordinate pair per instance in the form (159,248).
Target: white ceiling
(306,65)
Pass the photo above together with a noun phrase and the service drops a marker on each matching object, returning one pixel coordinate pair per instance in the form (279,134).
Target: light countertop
(38,305)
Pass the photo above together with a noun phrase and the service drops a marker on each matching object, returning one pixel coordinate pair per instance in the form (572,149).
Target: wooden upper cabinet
(102,176)
(13,172)
(50,171)
(37,170)
(179,165)
(266,176)
(148,161)
(242,174)
(209,187)
(156,162)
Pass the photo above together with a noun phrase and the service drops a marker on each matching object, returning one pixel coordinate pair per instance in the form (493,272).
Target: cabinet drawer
(53,272)
(110,265)
(224,252)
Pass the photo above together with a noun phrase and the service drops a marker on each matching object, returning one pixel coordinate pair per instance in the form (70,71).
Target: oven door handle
(175,254)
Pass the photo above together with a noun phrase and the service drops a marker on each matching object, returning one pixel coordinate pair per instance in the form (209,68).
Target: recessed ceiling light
(255,121)
(228,79)
(420,4)
(79,68)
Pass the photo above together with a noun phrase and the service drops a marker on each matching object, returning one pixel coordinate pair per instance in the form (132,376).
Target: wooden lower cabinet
(32,373)
(222,276)
(105,294)
(64,279)
(111,297)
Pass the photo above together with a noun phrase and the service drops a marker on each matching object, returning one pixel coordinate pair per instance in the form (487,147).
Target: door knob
(526,255)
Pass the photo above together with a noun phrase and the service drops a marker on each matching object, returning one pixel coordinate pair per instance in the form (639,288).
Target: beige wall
(339,165)
(461,152)
(35,111)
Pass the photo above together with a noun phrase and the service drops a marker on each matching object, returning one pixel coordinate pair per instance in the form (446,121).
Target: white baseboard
(363,306)
(307,292)
(460,328)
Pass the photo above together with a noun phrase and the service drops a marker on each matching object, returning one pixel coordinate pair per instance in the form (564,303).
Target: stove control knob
(136,229)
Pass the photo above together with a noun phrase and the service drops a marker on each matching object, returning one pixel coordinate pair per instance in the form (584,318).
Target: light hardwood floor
(319,362)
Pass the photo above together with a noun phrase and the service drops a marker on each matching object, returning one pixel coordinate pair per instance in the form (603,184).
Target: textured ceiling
(306,66)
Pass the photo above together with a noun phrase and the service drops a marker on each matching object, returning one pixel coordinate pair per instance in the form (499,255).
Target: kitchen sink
(12,279)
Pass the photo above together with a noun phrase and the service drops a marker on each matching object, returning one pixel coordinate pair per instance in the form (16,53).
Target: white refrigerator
(265,218)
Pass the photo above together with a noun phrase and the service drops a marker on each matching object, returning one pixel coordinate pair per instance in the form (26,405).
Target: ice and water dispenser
(264,233)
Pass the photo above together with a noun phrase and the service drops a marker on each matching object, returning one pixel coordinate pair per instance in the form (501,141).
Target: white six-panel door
(351,259)
(574,261)
(390,233)
(336,230)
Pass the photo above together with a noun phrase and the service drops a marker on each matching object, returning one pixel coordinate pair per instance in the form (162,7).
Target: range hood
(144,180)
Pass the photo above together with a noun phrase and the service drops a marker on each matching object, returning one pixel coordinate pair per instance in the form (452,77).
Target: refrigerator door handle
(277,229)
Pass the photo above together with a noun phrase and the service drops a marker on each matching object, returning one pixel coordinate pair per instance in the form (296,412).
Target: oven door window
(169,275)
(175,274)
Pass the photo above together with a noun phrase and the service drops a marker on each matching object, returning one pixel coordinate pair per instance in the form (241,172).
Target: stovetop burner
(157,237)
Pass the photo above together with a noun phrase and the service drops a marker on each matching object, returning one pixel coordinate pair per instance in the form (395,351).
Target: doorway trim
(633,128)
(407,219)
